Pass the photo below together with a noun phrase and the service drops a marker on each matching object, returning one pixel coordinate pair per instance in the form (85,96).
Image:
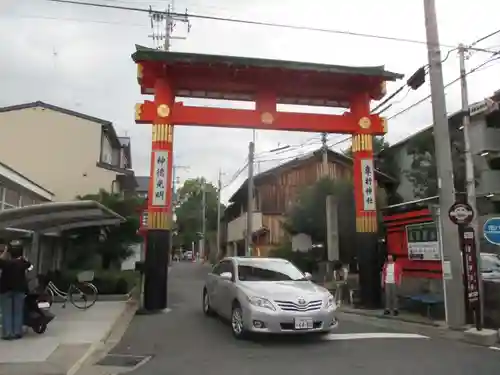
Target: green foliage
(308,216)
(305,261)
(423,171)
(189,211)
(87,245)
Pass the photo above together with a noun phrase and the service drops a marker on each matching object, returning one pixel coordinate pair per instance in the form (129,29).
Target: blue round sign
(491,230)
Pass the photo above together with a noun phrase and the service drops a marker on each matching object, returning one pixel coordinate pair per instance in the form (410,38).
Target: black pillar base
(367,250)
(155,270)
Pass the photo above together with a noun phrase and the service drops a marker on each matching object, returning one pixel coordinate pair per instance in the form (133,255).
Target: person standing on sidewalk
(391,280)
(13,287)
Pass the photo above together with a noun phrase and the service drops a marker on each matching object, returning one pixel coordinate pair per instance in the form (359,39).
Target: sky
(78,57)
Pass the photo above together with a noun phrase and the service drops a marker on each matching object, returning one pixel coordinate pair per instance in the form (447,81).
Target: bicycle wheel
(82,295)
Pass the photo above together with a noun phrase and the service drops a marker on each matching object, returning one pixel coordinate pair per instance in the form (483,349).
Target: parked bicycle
(82,294)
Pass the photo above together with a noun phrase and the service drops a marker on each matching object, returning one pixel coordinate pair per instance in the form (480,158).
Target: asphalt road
(184,342)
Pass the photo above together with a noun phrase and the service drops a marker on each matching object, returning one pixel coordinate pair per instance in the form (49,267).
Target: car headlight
(261,302)
(330,302)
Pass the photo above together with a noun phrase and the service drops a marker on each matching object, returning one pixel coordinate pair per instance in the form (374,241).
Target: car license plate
(303,323)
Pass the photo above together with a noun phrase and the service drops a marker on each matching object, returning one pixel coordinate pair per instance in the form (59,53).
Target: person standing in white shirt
(391,280)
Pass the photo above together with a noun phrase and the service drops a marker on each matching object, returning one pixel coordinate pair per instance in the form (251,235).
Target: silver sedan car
(267,295)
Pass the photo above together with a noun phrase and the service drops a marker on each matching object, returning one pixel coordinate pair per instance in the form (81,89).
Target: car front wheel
(207,310)
(237,326)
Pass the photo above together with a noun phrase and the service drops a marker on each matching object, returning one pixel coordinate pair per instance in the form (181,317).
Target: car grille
(293,306)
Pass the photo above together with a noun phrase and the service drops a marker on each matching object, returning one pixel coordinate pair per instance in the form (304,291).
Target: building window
(26,201)
(12,197)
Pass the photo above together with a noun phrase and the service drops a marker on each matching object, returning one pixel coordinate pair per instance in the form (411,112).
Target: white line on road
(495,347)
(375,335)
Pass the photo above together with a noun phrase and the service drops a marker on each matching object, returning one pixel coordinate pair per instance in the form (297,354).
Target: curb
(430,329)
(125,317)
(391,318)
(435,330)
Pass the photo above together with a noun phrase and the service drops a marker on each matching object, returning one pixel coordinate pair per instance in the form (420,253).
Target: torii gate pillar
(159,223)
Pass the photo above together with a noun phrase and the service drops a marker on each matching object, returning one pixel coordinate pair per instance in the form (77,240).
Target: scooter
(36,314)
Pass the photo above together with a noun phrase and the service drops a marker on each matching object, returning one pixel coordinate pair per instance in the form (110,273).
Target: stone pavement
(69,337)
(185,342)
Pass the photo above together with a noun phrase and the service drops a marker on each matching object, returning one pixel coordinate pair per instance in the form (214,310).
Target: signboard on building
(423,243)
(491,230)
(367,175)
(159,197)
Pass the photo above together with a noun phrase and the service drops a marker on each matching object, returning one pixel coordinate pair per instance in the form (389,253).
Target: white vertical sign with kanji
(160,178)
(368,178)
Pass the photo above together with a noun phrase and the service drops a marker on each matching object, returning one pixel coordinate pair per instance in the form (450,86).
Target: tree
(308,215)
(114,247)
(189,211)
(423,171)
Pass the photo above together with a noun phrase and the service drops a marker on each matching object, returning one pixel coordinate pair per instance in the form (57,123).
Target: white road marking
(495,347)
(375,335)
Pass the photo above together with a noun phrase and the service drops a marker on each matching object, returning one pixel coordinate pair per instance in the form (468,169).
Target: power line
(290,148)
(258,23)
(236,174)
(425,70)
(446,86)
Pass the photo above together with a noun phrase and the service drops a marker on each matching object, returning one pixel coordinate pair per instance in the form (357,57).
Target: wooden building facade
(275,193)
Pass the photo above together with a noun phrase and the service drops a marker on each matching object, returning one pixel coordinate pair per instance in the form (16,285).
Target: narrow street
(184,342)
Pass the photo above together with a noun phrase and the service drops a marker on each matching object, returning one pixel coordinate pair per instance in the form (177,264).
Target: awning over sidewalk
(58,217)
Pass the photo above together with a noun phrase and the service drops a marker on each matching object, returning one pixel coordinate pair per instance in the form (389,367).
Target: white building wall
(236,228)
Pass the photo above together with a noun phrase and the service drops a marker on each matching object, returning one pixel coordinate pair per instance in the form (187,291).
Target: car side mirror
(307,275)
(226,276)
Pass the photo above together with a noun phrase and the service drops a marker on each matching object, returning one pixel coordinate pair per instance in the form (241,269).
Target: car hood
(284,290)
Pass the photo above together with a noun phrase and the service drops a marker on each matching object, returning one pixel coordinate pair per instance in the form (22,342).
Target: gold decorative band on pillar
(366,223)
(162,133)
(385,127)
(362,142)
(140,73)
(159,220)
(138,111)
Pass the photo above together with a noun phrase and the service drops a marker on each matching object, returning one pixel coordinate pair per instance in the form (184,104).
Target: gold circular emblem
(364,122)
(163,110)
(267,118)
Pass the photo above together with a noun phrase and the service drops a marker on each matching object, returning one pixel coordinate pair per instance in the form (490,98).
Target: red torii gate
(168,75)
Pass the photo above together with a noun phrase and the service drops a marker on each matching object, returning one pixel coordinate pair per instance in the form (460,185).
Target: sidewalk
(70,338)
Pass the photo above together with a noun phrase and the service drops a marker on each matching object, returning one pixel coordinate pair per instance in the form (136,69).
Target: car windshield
(490,263)
(268,270)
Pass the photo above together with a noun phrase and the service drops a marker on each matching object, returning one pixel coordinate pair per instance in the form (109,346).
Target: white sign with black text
(160,178)
(423,242)
(368,178)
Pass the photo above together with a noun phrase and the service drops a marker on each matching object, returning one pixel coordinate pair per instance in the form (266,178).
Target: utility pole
(454,286)
(249,231)
(168,21)
(324,147)
(174,201)
(203,219)
(219,189)
(469,169)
